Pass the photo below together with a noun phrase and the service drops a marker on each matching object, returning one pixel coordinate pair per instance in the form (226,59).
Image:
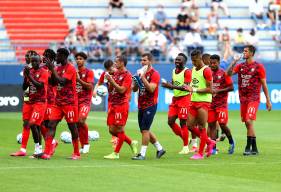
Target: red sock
(127,139)
(184,135)
(176,129)
(44,131)
(25,136)
(121,137)
(86,134)
(203,140)
(196,131)
(75,144)
(81,134)
(48,145)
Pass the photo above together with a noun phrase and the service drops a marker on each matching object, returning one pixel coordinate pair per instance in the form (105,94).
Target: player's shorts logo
(251,110)
(118,116)
(35,115)
(70,114)
(222,115)
(183,111)
(84,109)
(49,111)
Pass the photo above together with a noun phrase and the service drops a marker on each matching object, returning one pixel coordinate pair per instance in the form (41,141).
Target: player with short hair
(119,95)
(84,88)
(222,84)
(26,108)
(66,103)
(147,106)
(181,77)
(251,77)
(38,85)
(110,69)
(201,88)
(51,94)
(206,58)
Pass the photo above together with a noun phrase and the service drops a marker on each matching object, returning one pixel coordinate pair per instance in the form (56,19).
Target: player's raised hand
(50,63)
(268,105)
(108,77)
(188,88)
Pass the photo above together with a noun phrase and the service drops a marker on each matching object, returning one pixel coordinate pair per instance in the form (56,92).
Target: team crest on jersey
(120,78)
(63,71)
(147,78)
(83,75)
(37,75)
(241,69)
(219,77)
(252,70)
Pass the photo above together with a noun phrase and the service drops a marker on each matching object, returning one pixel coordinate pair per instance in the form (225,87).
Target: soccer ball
(19,138)
(65,137)
(102,90)
(93,135)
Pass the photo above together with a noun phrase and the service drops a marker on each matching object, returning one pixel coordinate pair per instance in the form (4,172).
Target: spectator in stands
(80,33)
(271,14)
(157,43)
(118,4)
(144,41)
(192,40)
(220,4)
(182,21)
(186,4)
(239,41)
(107,26)
(92,29)
(224,44)
(133,43)
(118,38)
(95,52)
(160,19)
(146,18)
(212,23)
(252,38)
(174,49)
(257,13)
(194,18)
(104,42)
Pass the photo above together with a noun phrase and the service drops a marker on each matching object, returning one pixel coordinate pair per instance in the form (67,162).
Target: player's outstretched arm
(25,83)
(265,90)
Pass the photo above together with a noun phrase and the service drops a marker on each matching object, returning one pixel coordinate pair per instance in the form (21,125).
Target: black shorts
(146,116)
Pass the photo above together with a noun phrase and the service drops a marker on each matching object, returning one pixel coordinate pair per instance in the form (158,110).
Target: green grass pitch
(173,172)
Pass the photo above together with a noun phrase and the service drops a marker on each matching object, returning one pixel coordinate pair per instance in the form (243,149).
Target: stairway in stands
(33,24)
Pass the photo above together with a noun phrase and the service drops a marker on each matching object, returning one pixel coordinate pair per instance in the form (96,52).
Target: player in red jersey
(110,69)
(38,85)
(26,109)
(201,88)
(181,100)
(84,88)
(147,106)
(251,77)
(66,102)
(51,94)
(222,84)
(119,95)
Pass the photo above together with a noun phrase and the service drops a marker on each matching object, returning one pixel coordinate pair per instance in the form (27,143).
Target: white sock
(54,141)
(158,146)
(23,150)
(194,142)
(185,147)
(143,150)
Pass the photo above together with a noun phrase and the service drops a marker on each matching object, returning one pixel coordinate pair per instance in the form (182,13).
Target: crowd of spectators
(155,33)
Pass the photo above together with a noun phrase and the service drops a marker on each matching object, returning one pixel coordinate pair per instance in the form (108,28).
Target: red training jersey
(147,99)
(36,94)
(66,94)
(249,84)
(220,81)
(51,92)
(84,95)
(122,78)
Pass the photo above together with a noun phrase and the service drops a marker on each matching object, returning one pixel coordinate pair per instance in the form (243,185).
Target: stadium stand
(53,28)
